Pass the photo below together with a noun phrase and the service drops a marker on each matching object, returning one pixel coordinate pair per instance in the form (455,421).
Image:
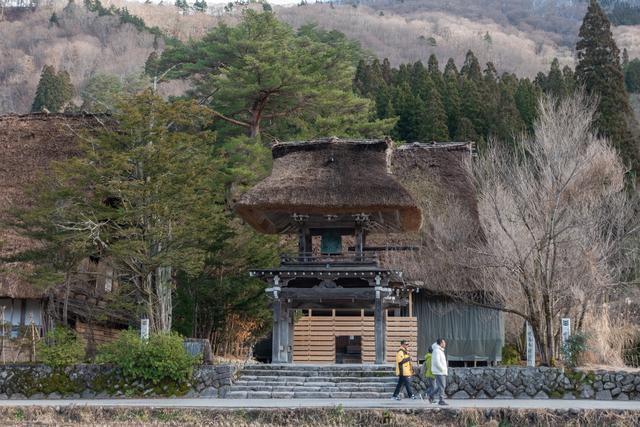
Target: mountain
(520,36)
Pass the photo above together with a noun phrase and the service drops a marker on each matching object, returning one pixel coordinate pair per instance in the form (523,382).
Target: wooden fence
(315,336)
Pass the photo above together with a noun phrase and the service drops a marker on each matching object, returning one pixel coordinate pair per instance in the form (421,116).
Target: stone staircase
(314,381)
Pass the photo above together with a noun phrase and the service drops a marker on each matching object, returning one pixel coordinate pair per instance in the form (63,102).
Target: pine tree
(452,103)
(600,72)
(437,129)
(471,68)
(299,84)
(632,76)
(472,106)
(555,82)
(54,20)
(200,6)
(450,70)
(386,71)
(569,79)
(526,99)
(625,58)
(54,91)
(466,131)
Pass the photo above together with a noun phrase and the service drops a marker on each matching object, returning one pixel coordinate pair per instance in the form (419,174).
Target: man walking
(439,369)
(404,371)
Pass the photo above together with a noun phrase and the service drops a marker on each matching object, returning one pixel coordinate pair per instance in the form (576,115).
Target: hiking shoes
(443,403)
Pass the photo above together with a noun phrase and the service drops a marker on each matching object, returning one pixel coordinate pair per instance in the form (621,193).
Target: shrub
(510,355)
(160,359)
(574,348)
(60,347)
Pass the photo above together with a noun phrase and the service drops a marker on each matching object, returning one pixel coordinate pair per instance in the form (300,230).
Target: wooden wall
(315,337)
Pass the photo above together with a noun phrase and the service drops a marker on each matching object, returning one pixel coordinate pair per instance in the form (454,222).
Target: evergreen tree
(420,81)
(625,58)
(450,70)
(555,81)
(126,191)
(569,79)
(295,84)
(632,76)
(432,65)
(600,72)
(200,6)
(386,71)
(54,20)
(436,115)
(526,99)
(54,91)
(471,68)
(452,102)
(472,106)
(466,131)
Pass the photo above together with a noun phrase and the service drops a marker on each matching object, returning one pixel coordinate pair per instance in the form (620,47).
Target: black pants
(403,380)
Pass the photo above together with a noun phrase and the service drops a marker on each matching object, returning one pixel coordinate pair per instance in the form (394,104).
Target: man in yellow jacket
(404,371)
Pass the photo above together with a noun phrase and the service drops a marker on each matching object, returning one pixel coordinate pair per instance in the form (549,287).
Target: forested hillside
(88,44)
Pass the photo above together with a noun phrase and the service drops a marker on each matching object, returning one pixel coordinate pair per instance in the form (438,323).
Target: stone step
(323,367)
(298,373)
(389,388)
(288,380)
(300,384)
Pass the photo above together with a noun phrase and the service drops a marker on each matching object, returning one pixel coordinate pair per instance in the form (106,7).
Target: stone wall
(539,383)
(101,381)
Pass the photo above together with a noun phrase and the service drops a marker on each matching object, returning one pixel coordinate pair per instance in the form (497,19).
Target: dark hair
(429,350)
(439,341)
(403,342)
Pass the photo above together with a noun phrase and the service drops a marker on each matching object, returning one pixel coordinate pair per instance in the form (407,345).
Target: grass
(316,417)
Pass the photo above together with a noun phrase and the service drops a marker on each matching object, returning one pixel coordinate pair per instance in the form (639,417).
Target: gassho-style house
(353,208)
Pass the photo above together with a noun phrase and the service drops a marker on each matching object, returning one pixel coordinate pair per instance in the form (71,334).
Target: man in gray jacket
(439,369)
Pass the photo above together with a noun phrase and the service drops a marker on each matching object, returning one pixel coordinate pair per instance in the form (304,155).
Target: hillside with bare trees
(85,44)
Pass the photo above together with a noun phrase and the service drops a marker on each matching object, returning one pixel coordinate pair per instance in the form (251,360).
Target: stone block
(608,385)
(586,392)
(461,395)
(569,396)
(209,392)
(541,395)
(603,395)
(622,396)
(17,396)
(504,396)
(597,385)
(616,391)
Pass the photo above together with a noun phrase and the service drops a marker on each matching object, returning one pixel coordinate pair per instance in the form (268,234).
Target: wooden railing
(342,259)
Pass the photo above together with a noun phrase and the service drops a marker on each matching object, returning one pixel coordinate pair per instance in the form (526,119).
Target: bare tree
(556,219)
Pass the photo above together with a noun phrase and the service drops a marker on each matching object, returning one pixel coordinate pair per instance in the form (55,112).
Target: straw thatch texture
(28,143)
(438,177)
(328,176)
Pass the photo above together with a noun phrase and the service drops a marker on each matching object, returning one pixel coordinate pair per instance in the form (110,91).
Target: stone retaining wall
(539,383)
(101,381)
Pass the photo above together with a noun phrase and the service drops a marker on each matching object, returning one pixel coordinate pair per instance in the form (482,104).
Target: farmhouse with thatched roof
(29,144)
(357,208)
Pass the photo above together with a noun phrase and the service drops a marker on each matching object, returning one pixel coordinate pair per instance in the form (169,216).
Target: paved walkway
(318,403)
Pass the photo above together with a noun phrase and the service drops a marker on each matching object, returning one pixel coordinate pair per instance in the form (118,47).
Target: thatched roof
(442,169)
(329,177)
(438,177)
(28,144)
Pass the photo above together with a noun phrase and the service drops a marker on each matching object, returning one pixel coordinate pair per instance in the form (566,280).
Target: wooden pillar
(379,328)
(282,332)
(275,340)
(359,239)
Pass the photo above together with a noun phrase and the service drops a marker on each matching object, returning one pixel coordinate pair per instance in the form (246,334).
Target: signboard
(566,330)
(531,346)
(144,329)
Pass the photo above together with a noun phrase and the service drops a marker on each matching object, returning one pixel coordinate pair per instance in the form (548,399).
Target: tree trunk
(163,290)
